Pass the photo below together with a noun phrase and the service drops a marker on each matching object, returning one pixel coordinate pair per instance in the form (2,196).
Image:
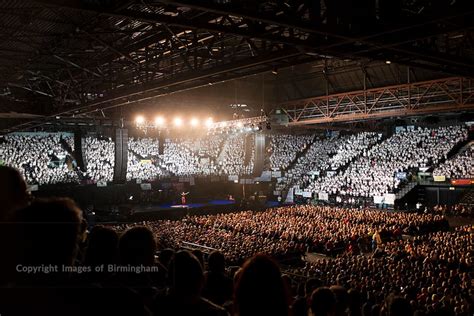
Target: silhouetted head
(323,302)
(398,306)
(342,299)
(259,288)
(137,246)
(13,191)
(102,246)
(165,257)
(216,262)
(199,255)
(48,231)
(311,285)
(186,275)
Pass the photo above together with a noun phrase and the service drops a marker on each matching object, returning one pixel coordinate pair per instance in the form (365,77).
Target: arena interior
(247,158)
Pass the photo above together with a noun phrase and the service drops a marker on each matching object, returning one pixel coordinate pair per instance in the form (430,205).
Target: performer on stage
(183,197)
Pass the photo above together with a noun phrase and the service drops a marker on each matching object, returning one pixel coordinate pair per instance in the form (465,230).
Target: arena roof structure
(88,58)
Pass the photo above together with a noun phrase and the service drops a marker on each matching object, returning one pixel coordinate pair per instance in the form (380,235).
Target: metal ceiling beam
(442,95)
(390,39)
(371,49)
(226,9)
(124,97)
(449,108)
(113,49)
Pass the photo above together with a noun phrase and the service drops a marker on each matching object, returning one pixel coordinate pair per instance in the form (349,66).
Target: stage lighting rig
(144,125)
(238,125)
(177,122)
(194,122)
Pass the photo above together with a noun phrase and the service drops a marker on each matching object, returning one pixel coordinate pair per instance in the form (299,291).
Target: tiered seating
(374,172)
(40,157)
(100,159)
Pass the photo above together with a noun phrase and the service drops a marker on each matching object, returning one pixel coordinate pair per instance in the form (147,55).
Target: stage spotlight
(177,121)
(209,122)
(140,119)
(194,122)
(159,121)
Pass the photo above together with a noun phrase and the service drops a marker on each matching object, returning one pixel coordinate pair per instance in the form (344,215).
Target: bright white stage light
(194,122)
(159,121)
(209,122)
(140,119)
(177,121)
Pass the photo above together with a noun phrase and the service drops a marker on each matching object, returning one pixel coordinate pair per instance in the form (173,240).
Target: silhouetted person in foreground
(137,248)
(13,196)
(102,249)
(48,232)
(323,302)
(13,192)
(398,306)
(218,287)
(259,289)
(300,305)
(186,280)
(46,236)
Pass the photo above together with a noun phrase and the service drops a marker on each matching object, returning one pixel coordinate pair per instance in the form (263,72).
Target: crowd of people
(53,265)
(289,231)
(284,148)
(145,147)
(351,147)
(208,146)
(432,272)
(142,169)
(374,172)
(40,157)
(464,209)
(315,160)
(232,159)
(460,166)
(180,160)
(143,157)
(99,156)
(357,165)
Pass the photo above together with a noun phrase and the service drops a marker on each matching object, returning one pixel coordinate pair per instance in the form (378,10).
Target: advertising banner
(379,199)
(307,194)
(401,175)
(266,176)
(33,188)
(324,196)
(462,181)
(389,198)
(439,178)
(276,174)
(145,186)
(289,196)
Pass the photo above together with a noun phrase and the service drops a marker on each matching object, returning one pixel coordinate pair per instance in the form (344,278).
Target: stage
(177,211)
(171,206)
